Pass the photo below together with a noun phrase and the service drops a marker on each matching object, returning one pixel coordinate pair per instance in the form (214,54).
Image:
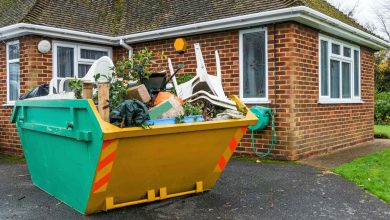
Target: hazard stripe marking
(106,160)
(222,163)
(233,144)
(230,149)
(101,182)
(104,168)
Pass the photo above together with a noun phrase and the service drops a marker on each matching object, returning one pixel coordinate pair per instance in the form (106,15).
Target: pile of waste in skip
(132,93)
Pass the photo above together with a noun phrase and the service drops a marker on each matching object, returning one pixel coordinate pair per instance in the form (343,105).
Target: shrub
(382,108)
(182,78)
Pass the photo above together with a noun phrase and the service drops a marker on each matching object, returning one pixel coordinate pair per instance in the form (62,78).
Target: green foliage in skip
(182,78)
(76,86)
(370,172)
(135,70)
(189,110)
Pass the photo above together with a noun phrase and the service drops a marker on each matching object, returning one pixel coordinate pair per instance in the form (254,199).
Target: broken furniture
(203,85)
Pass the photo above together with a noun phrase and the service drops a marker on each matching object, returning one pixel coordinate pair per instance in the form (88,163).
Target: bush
(182,78)
(382,108)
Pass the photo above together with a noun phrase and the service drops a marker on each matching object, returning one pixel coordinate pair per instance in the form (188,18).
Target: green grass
(372,172)
(12,159)
(382,131)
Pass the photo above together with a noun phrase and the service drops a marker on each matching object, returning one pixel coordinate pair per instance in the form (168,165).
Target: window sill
(340,101)
(8,104)
(256,101)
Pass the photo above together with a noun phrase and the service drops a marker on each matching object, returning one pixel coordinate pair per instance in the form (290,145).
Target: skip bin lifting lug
(151,197)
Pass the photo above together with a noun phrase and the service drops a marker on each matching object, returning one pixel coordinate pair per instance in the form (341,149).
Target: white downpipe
(128,47)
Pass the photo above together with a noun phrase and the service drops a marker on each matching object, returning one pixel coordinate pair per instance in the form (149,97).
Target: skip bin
(93,166)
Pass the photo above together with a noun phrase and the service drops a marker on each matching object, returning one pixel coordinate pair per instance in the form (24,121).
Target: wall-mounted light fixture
(44,46)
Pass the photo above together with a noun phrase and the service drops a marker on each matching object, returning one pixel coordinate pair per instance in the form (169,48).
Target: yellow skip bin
(120,167)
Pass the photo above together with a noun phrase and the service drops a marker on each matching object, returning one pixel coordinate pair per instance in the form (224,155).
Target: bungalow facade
(305,59)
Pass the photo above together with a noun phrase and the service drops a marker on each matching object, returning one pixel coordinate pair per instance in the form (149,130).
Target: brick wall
(319,128)
(35,69)
(303,126)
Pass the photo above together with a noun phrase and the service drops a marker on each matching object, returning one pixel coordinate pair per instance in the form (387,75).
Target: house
(305,59)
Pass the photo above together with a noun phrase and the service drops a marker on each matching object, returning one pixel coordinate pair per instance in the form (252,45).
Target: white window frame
(241,66)
(11,102)
(341,58)
(76,55)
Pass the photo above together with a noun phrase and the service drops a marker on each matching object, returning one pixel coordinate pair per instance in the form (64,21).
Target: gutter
(300,14)
(21,29)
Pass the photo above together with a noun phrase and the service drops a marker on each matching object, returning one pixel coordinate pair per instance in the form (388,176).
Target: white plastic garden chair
(183,90)
(103,66)
(213,81)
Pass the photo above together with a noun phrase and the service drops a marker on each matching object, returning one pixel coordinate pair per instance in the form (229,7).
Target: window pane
(334,79)
(83,69)
(254,72)
(336,49)
(13,51)
(356,73)
(347,52)
(346,80)
(92,54)
(324,68)
(65,62)
(13,81)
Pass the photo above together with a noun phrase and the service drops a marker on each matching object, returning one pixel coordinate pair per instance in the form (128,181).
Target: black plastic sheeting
(129,113)
(41,90)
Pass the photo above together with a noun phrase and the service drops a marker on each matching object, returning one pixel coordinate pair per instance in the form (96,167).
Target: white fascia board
(21,29)
(300,14)
(256,19)
(332,25)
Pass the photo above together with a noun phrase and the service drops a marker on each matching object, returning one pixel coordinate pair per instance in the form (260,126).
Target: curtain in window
(92,54)
(254,72)
(13,81)
(65,62)
(83,69)
(334,79)
(356,73)
(346,80)
(324,68)
(13,51)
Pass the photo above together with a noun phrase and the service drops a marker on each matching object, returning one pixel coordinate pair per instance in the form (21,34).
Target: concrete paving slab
(246,190)
(329,161)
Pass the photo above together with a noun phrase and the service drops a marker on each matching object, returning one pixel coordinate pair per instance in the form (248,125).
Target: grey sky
(366,10)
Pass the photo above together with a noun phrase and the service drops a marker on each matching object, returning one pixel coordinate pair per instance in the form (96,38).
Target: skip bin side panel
(59,162)
(175,162)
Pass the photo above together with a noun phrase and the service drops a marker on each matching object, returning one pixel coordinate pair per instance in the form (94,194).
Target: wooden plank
(104,100)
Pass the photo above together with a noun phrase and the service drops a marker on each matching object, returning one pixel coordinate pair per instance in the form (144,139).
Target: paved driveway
(246,190)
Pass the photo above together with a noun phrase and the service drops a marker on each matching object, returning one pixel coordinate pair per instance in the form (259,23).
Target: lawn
(371,172)
(382,131)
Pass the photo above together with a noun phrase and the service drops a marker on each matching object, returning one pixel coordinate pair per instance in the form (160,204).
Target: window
(339,71)
(253,66)
(13,72)
(74,60)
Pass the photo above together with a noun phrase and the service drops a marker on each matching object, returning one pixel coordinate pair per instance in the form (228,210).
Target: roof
(120,17)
